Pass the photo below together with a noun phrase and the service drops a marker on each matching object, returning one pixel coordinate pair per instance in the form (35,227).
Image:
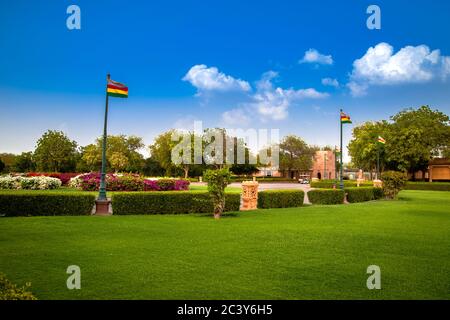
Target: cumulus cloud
(314,56)
(382,66)
(211,79)
(235,117)
(272,103)
(330,82)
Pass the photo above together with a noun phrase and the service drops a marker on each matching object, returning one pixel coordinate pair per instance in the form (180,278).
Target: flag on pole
(345,118)
(381,140)
(116,89)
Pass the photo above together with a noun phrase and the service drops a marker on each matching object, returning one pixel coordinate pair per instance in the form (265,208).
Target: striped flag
(345,118)
(116,89)
(381,140)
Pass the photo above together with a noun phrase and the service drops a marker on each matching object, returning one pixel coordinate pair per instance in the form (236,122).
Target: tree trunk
(186,172)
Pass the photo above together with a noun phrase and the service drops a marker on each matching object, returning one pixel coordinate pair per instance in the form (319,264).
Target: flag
(381,140)
(116,89)
(345,118)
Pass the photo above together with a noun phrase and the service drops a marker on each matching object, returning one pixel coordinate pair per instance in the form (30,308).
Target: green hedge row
(432,186)
(42,203)
(326,196)
(328,184)
(169,202)
(280,199)
(362,194)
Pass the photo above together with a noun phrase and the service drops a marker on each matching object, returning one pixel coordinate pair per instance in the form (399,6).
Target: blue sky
(228,63)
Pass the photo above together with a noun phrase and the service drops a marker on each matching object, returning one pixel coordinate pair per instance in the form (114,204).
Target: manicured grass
(313,252)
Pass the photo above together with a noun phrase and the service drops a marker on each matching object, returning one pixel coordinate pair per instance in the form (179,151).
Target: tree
(152,168)
(217,181)
(161,151)
(417,136)
(121,153)
(295,154)
(55,152)
(24,162)
(2,165)
(363,148)
(8,160)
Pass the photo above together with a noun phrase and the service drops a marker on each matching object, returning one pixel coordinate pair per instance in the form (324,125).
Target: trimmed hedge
(378,193)
(432,186)
(280,199)
(328,184)
(326,196)
(169,202)
(360,194)
(38,203)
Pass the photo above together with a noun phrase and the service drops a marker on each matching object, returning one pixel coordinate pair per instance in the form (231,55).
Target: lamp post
(341,178)
(102,202)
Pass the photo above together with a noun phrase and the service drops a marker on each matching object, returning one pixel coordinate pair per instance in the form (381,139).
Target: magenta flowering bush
(127,182)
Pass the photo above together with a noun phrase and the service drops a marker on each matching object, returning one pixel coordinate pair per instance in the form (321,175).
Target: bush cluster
(169,202)
(326,196)
(280,199)
(64,177)
(29,183)
(126,182)
(10,291)
(35,203)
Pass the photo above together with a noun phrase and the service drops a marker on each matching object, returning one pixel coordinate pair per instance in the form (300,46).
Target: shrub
(393,183)
(126,182)
(326,196)
(378,193)
(169,202)
(432,186)
(360,194)
(280,199)
(29,183)
(10,291)
(64,177)
(217,181)
(35,203)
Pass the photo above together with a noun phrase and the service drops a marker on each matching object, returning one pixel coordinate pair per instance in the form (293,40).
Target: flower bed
(126,182)
(29,183)
(64,177)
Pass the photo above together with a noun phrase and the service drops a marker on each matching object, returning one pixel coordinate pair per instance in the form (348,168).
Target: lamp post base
(102,207)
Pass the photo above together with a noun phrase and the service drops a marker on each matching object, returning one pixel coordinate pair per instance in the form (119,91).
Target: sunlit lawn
(312,252)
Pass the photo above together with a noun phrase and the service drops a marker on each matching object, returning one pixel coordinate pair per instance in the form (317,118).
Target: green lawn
(313,252)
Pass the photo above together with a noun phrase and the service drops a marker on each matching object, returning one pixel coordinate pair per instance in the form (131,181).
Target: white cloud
(381,66)
(273,103)
(314,56)
(235,117)
(211,79)
(330,82)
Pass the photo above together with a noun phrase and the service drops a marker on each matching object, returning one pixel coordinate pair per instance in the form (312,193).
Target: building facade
(324,167)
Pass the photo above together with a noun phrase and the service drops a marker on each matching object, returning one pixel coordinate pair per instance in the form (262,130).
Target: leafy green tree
(417,136)
(152,168)
(24,162)
(161,151)
(295,154)
(121,153)
(217,181)
(8,159)
(2,165)
(55,152)
(363,148)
